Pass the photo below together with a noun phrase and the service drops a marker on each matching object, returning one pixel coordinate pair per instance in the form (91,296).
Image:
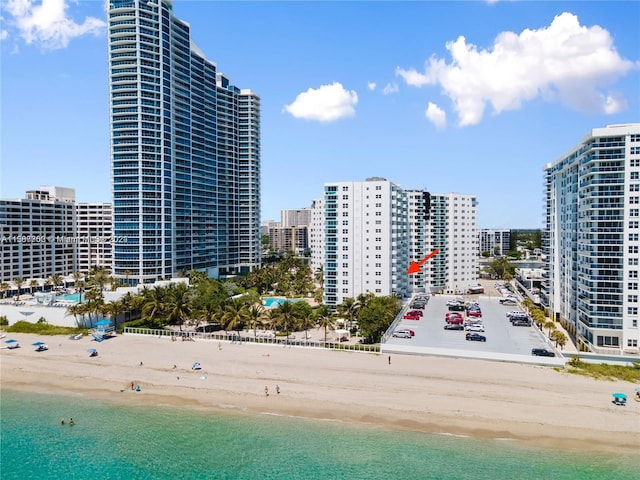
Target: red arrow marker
(414,267)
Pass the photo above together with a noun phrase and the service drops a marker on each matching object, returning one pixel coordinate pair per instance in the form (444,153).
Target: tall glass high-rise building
(185,152)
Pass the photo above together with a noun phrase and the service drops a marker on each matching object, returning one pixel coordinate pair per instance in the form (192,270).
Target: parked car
(401,334)
(475,337)
(415,312)
(455,320)
(456,308)
(454,326)
(508,301)
(213,327)
(474,313)
(516,312)
(521,323)
(417,305)
(410,316)
(475,327)
(542,352)
(452,314)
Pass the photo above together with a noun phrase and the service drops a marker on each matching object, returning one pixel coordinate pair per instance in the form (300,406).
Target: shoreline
(535,406)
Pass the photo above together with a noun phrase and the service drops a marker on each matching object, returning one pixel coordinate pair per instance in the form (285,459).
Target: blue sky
(468,97)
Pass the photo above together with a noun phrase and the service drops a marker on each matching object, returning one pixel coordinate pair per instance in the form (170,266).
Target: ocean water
(121,442)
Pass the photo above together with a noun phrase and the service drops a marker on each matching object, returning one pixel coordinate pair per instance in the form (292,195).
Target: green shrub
(4,321)
(43,329)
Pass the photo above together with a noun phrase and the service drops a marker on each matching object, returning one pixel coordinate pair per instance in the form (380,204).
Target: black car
(454,326)
(508,301)
(456,308)
(213,327)
(542,352)
(475,337)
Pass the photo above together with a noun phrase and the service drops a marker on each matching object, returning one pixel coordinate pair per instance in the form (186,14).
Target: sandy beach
(538,406)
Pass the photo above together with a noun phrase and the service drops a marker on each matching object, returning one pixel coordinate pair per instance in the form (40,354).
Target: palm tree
(325,318)
(56,280)
(550,325)
(286,316)
(18,282)
(235,314)
(4,286)
(99,277)
(559,337)
(116,308)
(178,305)
(33,284)
(76,279)
(47,283)
(127,274)
(154,303)
(255,315)
(349,308)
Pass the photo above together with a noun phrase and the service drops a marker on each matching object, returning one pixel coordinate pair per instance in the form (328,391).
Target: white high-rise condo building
(295,218)
(316,235)
(452,230)
(496,242)
(185,152)
(38,235)
(366,240)
(592,239)
(94,223)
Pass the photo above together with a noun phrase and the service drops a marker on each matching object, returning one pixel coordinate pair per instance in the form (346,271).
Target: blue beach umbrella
(620,395)
(37,344)
(92,350)
(11,340)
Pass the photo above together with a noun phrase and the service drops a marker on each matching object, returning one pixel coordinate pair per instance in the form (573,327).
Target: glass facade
(178,128)
(592,214)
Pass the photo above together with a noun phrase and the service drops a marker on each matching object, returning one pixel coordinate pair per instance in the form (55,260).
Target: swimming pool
(71,297)
(276,302)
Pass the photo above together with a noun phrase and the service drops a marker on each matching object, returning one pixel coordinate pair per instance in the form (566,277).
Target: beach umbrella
(92,350)
(11,340)
(195,366)
(37,344)
(622,396)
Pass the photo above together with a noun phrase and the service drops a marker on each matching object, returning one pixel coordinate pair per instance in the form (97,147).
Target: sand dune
(536,405)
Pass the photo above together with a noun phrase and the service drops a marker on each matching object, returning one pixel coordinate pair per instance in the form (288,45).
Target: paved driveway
(503,339)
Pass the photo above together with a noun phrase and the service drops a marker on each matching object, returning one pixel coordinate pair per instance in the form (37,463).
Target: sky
(460,96)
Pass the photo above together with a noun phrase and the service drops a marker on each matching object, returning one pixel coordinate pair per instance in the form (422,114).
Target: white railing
(233,337)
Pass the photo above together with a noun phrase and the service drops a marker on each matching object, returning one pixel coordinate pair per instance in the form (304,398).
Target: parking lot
(503,340)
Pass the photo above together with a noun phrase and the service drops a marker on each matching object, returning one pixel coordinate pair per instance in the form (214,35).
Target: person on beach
(133,385)
(71,422)
(174,367)
(62,421)
(278,389)
(140,363)
(389,359)
(266,391)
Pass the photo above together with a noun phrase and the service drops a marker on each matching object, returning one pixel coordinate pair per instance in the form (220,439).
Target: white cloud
(47,24)
(564,62)
(371,86)
(390,88)
(436,115)
(325,104)
(4,34)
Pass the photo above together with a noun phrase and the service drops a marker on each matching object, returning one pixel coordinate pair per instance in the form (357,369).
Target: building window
(634,187)
(632,261)
(633,274)
(633,237)
(635,175)
(632,310)
(632,298)
(634,224)
(632,286)
(631,342)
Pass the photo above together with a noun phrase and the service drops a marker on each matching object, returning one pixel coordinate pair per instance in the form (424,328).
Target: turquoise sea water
(121,442)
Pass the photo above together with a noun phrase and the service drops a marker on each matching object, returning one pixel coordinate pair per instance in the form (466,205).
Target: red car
(474,313)
(409,316)
(415,312)
(454,320)
(450,315)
